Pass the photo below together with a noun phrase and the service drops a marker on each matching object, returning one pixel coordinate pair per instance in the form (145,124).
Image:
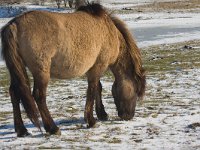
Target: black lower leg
(20,129)
(100,110)
(90,120)
(49,125)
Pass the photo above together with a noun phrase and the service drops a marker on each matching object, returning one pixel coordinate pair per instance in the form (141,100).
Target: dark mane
(134,51)
(94,9)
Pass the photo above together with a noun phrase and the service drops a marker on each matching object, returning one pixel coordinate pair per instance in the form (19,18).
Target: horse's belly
(73,63)
(66,73)
(69,71)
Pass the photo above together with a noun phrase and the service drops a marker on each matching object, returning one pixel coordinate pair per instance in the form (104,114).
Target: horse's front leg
(100,111)
(94,94)
(39,93)
(91,92)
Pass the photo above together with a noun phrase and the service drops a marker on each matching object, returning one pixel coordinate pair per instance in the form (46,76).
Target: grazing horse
(64,46)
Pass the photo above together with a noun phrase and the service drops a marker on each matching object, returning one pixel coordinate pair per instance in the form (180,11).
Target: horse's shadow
(9,128)
(70,122)
(7,132)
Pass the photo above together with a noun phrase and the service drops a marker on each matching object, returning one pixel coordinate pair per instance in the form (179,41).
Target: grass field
(168,117)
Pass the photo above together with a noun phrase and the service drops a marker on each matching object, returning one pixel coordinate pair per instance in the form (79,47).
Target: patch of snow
(144,20)
(174,38)
(162,126)
(159,28)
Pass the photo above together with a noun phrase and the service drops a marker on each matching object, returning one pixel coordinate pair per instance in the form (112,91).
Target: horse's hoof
(24,134)
(54,132)
(91,123)
(58,132)
(103,116)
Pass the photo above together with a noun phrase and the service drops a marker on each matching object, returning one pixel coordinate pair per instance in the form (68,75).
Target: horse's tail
(135,54)
(18,75)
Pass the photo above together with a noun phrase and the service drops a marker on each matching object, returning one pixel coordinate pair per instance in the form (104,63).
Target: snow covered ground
(169,116)
(167,119)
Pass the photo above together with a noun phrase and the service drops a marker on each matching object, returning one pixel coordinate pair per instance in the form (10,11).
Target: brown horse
(64,46)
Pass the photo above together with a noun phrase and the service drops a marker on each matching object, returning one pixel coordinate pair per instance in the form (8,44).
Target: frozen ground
(169,116)
(167,119)
(148,27)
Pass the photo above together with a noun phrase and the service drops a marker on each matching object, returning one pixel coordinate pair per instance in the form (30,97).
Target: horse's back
(66,44)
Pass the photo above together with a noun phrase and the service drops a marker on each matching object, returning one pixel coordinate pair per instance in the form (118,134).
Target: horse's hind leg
(39,93)
(20,129)
(100,111)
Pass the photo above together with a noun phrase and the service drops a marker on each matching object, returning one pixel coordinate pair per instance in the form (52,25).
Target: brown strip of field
(188,6)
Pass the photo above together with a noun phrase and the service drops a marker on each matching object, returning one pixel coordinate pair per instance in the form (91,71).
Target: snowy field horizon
(148,28)
(168,34)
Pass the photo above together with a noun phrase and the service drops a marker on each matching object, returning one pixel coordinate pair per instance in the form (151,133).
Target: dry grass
(167,57)
(158,6)
(189,5)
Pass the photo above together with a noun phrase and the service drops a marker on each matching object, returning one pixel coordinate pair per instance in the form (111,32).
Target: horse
(86,42)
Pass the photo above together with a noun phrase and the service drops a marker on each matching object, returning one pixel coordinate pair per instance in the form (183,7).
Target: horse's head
(130,80)
(125,98)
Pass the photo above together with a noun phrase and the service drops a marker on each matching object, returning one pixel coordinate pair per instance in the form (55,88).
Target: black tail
(18,75)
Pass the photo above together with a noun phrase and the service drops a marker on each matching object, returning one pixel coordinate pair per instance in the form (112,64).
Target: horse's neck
(123,67)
